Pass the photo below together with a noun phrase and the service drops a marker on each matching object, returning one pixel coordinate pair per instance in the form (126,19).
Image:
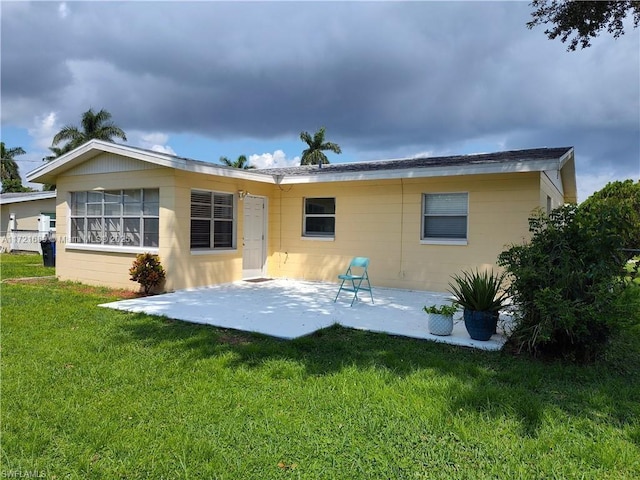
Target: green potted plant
(440,318)
(481,295)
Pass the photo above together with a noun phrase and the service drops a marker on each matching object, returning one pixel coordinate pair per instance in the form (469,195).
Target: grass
(92,393)
(24,266)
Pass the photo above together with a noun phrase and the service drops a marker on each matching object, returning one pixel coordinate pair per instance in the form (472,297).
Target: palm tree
(94,126)
(9,170)
(314,155)
(57,151)
(241,163)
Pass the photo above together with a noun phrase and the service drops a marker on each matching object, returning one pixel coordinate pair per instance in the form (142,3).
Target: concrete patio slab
(291,308)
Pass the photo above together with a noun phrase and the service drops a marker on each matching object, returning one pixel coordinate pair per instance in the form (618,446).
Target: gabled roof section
(48,172)
(7,198)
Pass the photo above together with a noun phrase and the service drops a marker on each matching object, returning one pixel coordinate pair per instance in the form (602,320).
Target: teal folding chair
(356,274)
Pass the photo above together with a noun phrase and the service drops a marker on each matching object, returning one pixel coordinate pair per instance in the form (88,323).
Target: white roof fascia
(198,167)
(565,158)
(186,164)
(29,198)
(568,177)
(424,172)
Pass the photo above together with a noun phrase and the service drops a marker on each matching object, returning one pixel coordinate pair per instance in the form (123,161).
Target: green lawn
(95,393)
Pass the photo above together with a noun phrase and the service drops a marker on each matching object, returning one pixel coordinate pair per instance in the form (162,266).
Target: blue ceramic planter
(480,325)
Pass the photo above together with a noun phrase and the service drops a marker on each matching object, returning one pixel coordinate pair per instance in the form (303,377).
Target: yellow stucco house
(420,220)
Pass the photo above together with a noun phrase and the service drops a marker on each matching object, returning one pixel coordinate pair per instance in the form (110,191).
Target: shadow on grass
(495,384)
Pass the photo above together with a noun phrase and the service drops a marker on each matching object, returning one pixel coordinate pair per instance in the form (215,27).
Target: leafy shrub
(440,309)
(632,271)
(628,303)
(147,271)
(568,280)
(624,199)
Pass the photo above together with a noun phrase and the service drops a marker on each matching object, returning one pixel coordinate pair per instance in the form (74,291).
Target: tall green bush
(567,281)
(623,198)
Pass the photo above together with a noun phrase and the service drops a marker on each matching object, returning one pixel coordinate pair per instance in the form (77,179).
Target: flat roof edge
(445,171)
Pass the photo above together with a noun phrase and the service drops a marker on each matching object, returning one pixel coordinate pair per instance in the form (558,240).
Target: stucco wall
(379,219)
(551,186)
(197,268)
(97,265)
(185,269)
(382,220)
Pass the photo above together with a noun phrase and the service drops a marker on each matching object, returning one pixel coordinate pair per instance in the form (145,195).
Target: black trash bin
(48,252)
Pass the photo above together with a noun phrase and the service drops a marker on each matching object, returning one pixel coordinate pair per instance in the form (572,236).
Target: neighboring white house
(26,218)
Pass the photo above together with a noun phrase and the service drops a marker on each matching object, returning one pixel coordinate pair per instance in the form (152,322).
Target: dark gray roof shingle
(424,162)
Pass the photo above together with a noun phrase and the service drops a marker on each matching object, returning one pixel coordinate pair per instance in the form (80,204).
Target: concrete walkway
(291,308)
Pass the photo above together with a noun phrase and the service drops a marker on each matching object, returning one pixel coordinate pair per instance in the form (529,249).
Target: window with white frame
(319,217)
(128,218)
(444,216)
(212,220)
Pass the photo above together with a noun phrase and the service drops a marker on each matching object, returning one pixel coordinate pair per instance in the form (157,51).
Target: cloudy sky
(386,79)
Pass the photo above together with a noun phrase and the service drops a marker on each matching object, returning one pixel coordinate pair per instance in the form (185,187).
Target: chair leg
(338,294)
(370,291)
(355,290)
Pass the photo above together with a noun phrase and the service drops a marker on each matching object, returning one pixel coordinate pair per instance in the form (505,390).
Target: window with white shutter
(444,216)
(212,220)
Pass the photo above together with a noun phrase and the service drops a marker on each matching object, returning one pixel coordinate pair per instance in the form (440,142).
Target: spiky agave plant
(479,291)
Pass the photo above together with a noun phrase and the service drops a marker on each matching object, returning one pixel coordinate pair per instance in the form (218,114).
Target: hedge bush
(568,281)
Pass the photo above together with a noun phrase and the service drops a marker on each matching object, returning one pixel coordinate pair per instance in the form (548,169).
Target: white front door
(253,241)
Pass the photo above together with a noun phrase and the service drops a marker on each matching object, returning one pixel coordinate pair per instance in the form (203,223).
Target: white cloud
(156,141)
(163,149)
(63,10)
(154,137)
(276,159)
(44,129)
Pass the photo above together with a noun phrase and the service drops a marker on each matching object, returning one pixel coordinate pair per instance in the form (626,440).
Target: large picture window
(445,216)
(319,217)
(212,220)
(116,217)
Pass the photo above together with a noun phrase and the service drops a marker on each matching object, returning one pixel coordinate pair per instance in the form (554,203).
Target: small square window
(444,216)
(319,217)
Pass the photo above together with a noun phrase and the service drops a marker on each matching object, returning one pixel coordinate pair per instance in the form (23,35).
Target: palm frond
(68,133)
(241,162)
(318,137)
(306,138)
(10,152)
(107,133)
(226,161)
(334,147)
